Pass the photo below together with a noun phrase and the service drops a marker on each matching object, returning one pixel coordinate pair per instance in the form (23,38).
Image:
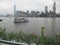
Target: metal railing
(11,42)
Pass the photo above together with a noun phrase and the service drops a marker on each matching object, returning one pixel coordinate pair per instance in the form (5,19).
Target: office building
(46,9)
(14,10)
(54,8)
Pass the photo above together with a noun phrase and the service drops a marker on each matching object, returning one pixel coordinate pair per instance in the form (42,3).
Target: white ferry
(20,20)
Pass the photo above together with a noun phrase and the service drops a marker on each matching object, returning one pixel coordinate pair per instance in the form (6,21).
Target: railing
(11,42)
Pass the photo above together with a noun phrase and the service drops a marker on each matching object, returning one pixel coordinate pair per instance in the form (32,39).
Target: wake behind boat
(20,20)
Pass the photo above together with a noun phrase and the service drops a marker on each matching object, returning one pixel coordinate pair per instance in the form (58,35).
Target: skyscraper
(14,10)
(54,8)
(46,9)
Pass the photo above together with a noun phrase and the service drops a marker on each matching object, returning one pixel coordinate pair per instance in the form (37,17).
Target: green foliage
(2,33)
(11,36)
(30,38)
(42,31)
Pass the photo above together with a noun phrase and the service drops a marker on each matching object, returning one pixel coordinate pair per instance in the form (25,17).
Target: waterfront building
(57,15)
(21,14)
(50,14)
(14,10)
(54,8)
(43,14)
(37,14)
(28,11)
(33,13)
(9,15)
(46,9)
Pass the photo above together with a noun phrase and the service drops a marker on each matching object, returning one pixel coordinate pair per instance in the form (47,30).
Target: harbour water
(34,25)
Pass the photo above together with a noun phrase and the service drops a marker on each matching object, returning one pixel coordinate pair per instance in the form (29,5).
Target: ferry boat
(20,20)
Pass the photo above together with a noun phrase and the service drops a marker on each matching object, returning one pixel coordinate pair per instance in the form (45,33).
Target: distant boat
(0,19)
(20,20)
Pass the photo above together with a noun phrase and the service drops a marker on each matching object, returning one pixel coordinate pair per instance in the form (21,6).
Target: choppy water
(34,25)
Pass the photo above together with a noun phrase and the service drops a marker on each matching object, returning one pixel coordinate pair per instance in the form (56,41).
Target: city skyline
(7,6)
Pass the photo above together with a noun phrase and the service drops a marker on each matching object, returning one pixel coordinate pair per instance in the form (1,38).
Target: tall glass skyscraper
(14,10)
(54,8)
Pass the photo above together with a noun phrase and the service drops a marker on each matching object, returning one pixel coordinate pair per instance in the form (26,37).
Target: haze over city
(7,6)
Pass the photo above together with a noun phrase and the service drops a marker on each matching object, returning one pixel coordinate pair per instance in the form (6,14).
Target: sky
(7,6)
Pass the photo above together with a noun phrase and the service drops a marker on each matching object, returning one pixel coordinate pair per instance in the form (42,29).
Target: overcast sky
(6,6)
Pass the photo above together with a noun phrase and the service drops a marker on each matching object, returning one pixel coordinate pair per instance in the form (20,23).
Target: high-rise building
(54,8)
(46,9)
(28,11)
(14,10)
(21,14)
